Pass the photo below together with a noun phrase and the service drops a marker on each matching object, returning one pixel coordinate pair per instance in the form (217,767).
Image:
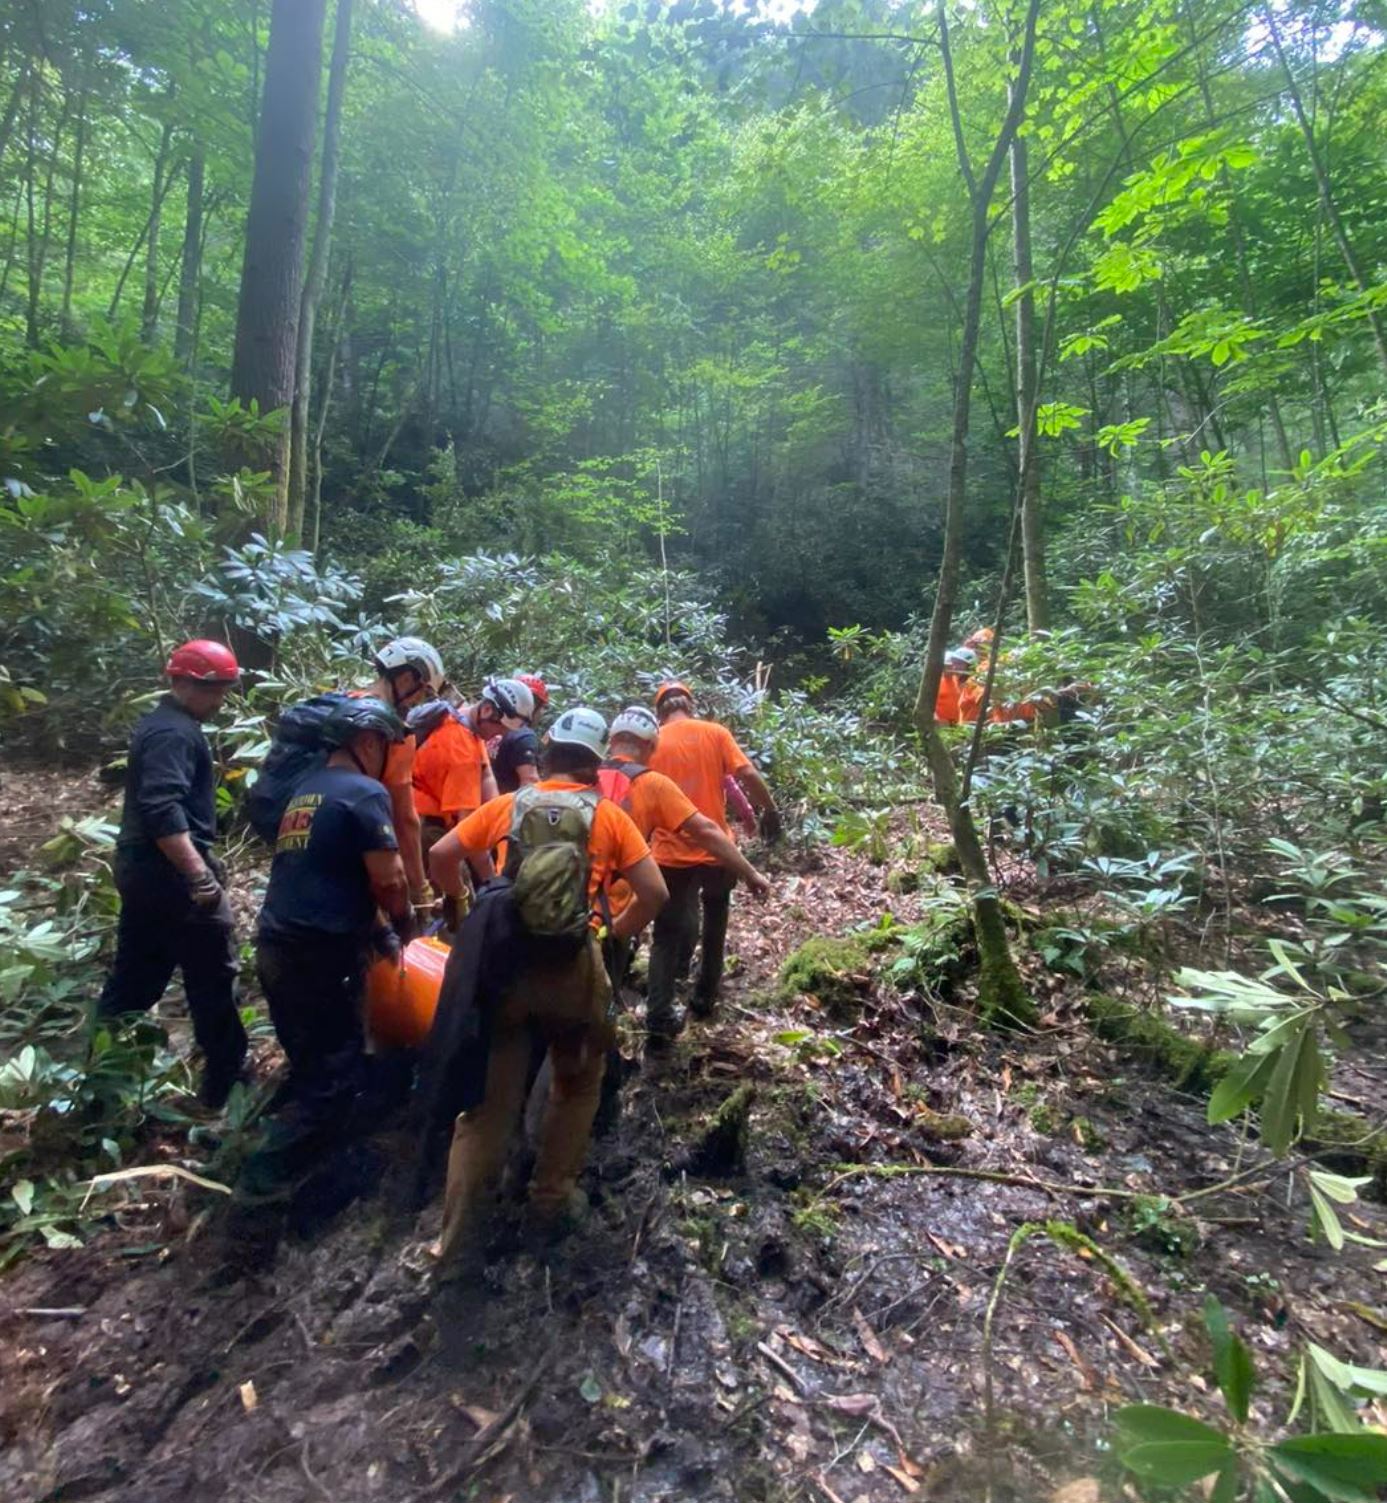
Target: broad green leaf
(1345,1468)
(1338,1187)
(1327,1219)
(1346,1375)
(1226,1485)
(22,1193)
(1330,1410)
(1281,1099)
(1232,1360)
(1177,1463)
(1240,1087)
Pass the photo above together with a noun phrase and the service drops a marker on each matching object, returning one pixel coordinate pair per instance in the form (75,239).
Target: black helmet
(356,716)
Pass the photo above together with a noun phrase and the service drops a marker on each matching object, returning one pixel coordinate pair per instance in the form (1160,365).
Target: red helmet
(207,662)
(536,685)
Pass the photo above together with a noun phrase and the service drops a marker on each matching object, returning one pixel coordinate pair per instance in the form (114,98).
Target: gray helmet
(354,717)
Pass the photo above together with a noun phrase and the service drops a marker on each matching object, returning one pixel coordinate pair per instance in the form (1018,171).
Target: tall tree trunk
(1028,463)
(338,339)
(1001,993)
(267,316)
(149,314)
(1324,187)
(73,208)
(32,265)
(12,105)
(190,265)
(317,268)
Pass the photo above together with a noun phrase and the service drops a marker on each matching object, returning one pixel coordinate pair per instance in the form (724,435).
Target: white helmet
(412,652)
(961,659)
(511,697)
(580,727)
(637,721)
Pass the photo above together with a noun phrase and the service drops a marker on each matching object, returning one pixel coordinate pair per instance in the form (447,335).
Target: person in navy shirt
(336,870)
(174,914)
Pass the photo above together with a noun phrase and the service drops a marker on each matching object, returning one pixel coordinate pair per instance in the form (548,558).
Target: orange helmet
(672,686)
(536,685)
(980,638)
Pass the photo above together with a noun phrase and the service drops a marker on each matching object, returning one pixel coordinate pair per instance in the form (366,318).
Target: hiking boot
(541,1229)
(702,1005)
(661,1032)
(216,1086)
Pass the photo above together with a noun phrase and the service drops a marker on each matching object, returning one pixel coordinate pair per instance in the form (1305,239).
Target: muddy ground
(798,1327)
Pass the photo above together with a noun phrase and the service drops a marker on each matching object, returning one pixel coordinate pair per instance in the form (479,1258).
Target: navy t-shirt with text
(318,881)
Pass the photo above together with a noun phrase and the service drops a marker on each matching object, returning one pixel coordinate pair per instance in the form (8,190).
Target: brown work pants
(569,1005)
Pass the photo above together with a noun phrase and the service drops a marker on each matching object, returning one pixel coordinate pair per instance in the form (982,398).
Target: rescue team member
(536,685)
(567,998)
(336,863)
(452,772)
(697,755)
(959,663)
(502,717)
(408,670)
(174,913)
(657,805)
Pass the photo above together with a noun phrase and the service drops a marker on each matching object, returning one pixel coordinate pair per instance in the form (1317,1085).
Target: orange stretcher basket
(401,1000)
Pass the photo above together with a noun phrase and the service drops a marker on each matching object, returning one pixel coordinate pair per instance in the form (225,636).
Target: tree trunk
(12,108)
(1001,994)
(1028,462)
(149,315)
(190,266)
(1322,183)
(317,268)
(74,205)
(267,316)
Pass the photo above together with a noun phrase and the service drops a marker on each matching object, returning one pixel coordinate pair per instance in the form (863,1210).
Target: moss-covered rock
(941,858)
(943,1127)
(837,972)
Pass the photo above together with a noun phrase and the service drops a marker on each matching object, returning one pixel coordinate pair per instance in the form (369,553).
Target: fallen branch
(152,1171)
(778,1362)
(992,1176)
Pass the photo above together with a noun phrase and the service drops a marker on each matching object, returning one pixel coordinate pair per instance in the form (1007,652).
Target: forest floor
(775,1329)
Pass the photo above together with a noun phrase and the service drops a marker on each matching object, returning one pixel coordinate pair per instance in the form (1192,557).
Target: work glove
(771,824)
(386,943)
(204,890)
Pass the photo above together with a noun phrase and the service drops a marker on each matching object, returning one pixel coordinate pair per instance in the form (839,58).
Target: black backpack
(296,751)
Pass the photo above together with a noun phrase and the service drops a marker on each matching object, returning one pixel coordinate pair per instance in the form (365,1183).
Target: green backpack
(547,859)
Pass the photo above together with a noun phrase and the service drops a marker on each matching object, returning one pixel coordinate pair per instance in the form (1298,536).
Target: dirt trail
(789,1332)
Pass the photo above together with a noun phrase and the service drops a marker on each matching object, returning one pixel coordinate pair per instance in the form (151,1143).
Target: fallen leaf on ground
(866,1462)
(249,1397)
(871,1342)
(1138,1352)
(1084,1370)
(908,1483)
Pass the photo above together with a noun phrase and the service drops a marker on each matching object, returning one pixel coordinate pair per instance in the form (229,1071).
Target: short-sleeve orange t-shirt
(654,804)
(448,772)
(696,755)
(946,701)
(614,843)
(399,758)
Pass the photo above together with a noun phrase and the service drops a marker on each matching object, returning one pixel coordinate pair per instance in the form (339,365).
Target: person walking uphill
(565,844)
(659,807)
(174,913)
(336,863)
(697,755)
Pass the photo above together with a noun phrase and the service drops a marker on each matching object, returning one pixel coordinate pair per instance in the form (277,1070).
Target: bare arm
(755,786)
(183,854)
(705,833)
(648,895)
(386,873)
(445,864)
(489,789)
(406,821)
(527,772)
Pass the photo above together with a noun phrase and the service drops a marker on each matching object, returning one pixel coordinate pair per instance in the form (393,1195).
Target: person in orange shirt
(659,807)
(407,670)
(697,755)
(566,1000)
(452,772)
(959,663)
